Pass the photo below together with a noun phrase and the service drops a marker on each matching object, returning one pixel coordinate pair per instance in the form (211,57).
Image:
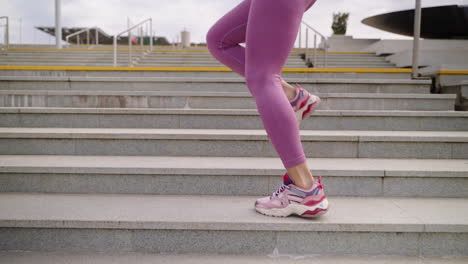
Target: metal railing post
(315,51)
(300,36)
(58,24)
(7,32)
(77,34)
(307,45)
(315,43)
(87,37)
(130,48)
(151,33)
(417,33)
(129,30)
(326,51)
(96,35)
(115,50)
(141,38)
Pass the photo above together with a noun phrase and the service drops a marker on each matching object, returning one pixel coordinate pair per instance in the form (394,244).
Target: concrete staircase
(351,60)
(99,162)
(170,57)
(160,57)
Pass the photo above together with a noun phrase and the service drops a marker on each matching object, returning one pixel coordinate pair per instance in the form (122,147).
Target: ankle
(289,90)
(293,95)
(305,184)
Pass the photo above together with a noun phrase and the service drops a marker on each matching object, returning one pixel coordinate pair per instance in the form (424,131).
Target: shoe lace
(280,189)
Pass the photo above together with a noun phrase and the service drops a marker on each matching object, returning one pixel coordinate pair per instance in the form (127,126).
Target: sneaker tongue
(286,179)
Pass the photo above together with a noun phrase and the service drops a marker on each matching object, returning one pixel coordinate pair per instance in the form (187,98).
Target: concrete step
(71,51)
(229,225)
(68,55)
(227,119)
(228,175)
(353,62)
(274,257)
(364,65)
(231,143)
(111,54)
(87,64)
(345,59)
(343,55)
(120,56)
(216,100)
(208,84)
(199,57)
(77,60)
(214,64)
(122,63)
(221,73)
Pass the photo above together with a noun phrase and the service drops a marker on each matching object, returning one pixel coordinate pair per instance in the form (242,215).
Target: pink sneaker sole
(311,107)
(315,213)
(297,209)
(306,108)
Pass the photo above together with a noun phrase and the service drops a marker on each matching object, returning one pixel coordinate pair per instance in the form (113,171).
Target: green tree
(340,21)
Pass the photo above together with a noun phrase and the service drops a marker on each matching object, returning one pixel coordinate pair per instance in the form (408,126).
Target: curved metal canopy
(440,22)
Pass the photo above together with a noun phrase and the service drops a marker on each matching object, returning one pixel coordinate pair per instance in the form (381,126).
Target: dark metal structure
(103,37)
(440,22)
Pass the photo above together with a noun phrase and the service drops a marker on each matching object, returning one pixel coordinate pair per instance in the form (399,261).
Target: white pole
(115,50)
(315,51)
(130,48)
(151,33)
(300,36)
(7,33)
(307,45)
(326,52)
(20,30)
(58,25)
(141,37)
(417,33)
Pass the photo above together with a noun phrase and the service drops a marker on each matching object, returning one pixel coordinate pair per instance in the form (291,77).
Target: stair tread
(232,134)
(210,258)
(214,212)
(223,94)
(178,165)
(205,79)
(200,111)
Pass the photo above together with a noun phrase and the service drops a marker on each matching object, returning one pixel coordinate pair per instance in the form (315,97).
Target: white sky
(172,16)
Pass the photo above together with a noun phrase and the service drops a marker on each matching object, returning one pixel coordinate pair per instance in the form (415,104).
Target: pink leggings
(269,29)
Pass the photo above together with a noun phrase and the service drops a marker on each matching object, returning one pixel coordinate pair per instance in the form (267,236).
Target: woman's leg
(223,42)
(271,32)
(224,37)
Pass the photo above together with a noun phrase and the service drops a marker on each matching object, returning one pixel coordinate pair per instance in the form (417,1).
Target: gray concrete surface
(208,84)
(231,143)
(274,257)
(227,119)
(403,226)
(218,100)
(228,175)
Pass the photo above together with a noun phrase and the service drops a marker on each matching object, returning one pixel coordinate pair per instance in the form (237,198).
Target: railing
(7,33)
(324,44)
(87,30)
(149,23)
(416,36)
